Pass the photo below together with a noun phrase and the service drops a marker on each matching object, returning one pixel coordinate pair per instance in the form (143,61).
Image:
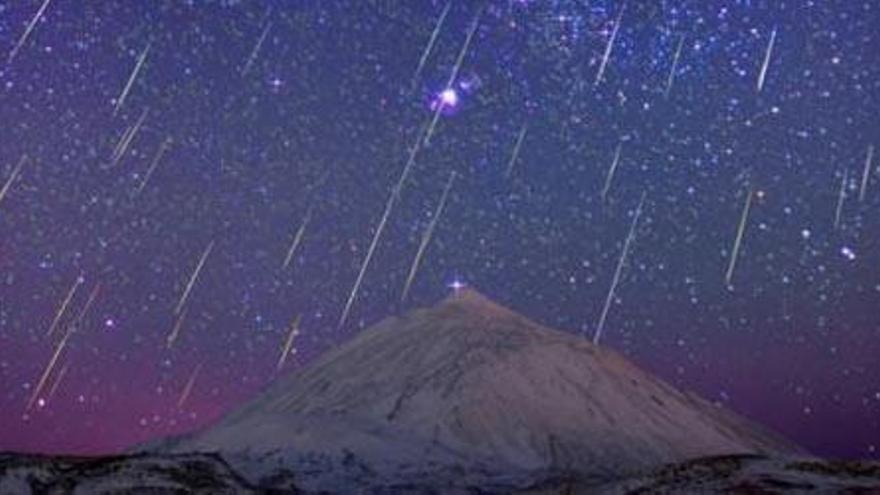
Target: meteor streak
(426,237)
(57,382)
(430,46)
(127,138)
(734,254)
(256,50)
(671,77)
(85,309)
(609,47)
(60,347)
(288,343)
(12,177)
(193,278)
(137,68)
(618,271)
(610,176)
(61,309)
(178,324)
(519,140)
(453,76)
(166,144)
(763,74)
(48,370)
(389,205)
(865,175)
(27,32)
(841,198)
(187,389)
(297,239)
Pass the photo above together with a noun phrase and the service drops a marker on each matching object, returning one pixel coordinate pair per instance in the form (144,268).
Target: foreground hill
(141,473)
(209,474)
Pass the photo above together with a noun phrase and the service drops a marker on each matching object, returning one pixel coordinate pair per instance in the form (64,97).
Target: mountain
(469,391)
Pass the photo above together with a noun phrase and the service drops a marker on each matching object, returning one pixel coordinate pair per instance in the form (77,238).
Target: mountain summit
(469,382)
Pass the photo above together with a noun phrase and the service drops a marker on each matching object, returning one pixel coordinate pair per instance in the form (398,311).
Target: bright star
(456,285)
(446,101)
(449,97)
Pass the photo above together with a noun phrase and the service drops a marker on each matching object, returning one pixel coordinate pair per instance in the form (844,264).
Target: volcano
(469,386)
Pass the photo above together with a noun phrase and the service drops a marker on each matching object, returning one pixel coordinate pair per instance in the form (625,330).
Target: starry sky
(159,159)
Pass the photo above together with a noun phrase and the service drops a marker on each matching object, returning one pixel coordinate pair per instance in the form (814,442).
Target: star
(456,285)
(446,101)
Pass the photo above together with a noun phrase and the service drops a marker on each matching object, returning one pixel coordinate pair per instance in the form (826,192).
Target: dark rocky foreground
(210,474)
(752,474)
(139,473)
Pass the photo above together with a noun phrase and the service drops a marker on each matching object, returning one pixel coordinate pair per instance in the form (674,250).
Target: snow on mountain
(472,384)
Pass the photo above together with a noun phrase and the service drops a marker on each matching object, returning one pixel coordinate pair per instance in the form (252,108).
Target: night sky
(245,120)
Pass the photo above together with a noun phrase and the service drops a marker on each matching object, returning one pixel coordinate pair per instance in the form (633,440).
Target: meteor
(671,77)
(131,79)
(426,237)
(178,324)
(446,94)
(66,302)
(609,47)
(739,237)
(618,271)
(57,382)
(48,370)
(865,175)
(85,309)
(12,177)
(841,198)
(166,144)
(27,32)
(763,74)
(193,278)
(610,176)
(297,239)
(389,205)
(519,140)
(256,50)
(127,138)
(288,343)
(187,389)
(430,46)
